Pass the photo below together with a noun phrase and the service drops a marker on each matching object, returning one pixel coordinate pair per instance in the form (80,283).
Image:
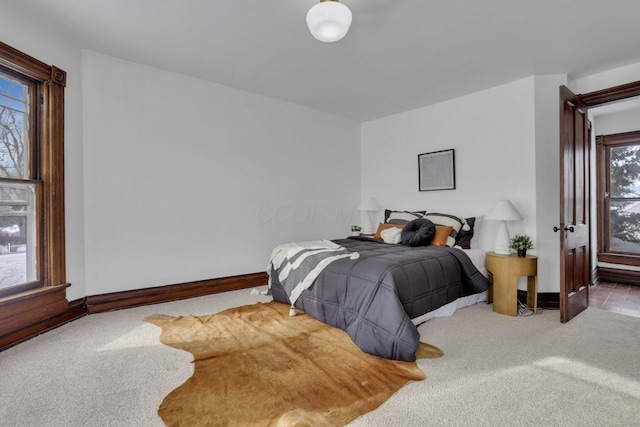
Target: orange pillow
(442,234)
(382,226)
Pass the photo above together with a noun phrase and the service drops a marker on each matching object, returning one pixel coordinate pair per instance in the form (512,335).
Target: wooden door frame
(612,94)
(602,97)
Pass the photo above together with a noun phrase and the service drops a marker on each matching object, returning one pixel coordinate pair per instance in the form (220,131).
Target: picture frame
(437,170)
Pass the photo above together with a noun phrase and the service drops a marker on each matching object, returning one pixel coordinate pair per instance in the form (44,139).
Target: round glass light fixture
(329,20)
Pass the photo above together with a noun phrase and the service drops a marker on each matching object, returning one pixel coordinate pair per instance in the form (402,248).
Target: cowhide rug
(257,366)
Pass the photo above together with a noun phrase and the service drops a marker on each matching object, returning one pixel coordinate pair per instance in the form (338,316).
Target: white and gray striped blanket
(298,264)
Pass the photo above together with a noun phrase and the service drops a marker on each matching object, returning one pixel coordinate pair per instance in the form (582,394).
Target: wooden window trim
(50,83)
(593,99)
(603,170)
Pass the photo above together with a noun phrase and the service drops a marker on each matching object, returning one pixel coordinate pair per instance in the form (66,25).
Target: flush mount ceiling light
(329,20)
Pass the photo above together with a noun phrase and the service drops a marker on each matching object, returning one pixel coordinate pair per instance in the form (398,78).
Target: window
(31,173)
(619,194)
(18,235)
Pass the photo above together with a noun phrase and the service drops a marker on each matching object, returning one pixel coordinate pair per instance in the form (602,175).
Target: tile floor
(619,297)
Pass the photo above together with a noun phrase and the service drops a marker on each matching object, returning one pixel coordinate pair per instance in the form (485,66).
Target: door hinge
(42,100)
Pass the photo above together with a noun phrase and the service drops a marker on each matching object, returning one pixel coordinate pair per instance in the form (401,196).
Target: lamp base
(501,250)
(503,242)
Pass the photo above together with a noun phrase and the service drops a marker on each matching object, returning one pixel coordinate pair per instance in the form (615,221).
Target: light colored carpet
(110,369)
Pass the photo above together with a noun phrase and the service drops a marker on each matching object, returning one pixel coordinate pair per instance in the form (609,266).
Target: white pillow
(391,235)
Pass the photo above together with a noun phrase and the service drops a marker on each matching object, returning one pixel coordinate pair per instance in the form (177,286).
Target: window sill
(622,259)
(35,300)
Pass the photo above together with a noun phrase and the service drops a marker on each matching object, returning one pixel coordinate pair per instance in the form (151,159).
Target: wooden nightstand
(505,271)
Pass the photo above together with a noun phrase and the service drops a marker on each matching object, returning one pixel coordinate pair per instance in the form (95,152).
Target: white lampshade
(329,20)
(503,211)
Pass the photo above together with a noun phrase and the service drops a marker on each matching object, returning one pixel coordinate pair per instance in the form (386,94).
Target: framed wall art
(437,170)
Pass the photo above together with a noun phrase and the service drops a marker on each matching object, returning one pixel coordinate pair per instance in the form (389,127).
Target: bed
(379,297)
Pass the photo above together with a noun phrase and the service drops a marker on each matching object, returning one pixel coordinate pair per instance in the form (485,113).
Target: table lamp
(368,205)
(503,211)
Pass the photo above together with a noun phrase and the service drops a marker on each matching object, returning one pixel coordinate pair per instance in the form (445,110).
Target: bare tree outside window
(14,103)
(16,199)
(624,198)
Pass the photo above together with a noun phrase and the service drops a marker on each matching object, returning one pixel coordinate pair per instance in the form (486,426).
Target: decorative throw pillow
(450,220)
(464,236)
(382,227)
(392,235)
(401,217)
(418,232)
(442,234)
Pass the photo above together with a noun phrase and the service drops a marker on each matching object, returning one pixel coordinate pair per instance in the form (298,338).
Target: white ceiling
(398,55)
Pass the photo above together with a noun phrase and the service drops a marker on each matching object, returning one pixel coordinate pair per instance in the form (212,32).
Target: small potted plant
(355,230)
(521,242)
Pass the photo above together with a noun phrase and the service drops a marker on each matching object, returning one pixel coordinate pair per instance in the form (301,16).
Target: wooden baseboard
(41,310)
(618,275)
(139,297)
(19,325)
(550,300)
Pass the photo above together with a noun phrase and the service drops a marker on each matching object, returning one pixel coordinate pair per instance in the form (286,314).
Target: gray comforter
(374,297)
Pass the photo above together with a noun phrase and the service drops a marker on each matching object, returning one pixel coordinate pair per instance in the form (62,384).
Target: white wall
(188,180)
(501,137)
(618,122)
(547,139)
(492,133)
(35,41)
